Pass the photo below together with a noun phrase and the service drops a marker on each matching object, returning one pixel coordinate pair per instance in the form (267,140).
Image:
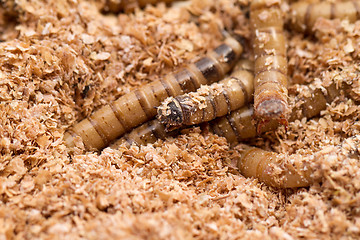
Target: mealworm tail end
(271,109)
(170,114)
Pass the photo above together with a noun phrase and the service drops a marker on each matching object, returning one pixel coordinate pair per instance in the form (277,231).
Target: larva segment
(116,6)
(271,95)
(146,133)
(134,108)
(209,102)
(239,124)
(283,171)
(304,14)
(313,105)
(272,169)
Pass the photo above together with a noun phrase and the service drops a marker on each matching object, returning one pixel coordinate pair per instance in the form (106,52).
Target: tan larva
(210,102)
(271,95)
(148,132)
(273,169)
(117,6)
(304,14)
(239,125)
(136,107)
(287,171)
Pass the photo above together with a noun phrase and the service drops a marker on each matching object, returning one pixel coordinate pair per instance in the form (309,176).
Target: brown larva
(271,95)
(272,168)
(136,107)
(146,133)
(282,171)
(210,102)
(239,124)
(269,167)
(116,6)
(305,14)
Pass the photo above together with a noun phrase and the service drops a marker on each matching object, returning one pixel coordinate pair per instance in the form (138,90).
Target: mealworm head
(170,114)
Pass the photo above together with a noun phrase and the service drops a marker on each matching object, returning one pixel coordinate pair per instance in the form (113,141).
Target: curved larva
(271,95)
(273,169)
(136,107)
(210,101)
(304,14)
(239,125)
(116,6)
(287,171)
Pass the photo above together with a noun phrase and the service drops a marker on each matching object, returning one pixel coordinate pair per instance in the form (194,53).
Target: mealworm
(282,171)
(304,14)
(312,106)
(271,95)
(209,102)
(146,133)
(272,168)
(239,125)
(136,107)
(117,6)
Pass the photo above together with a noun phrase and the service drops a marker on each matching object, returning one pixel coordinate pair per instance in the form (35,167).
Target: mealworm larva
(288,171)
(239,125)
(304,14)
(272,168)
(136,107)
(271,95)
(117,6)
(312,106)
(209,102)
(146,133)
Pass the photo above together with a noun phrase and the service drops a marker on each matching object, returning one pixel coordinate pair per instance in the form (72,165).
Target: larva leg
(271,95)
(273,169)
(209,102)
(304,14)
(134,108)
(117,6)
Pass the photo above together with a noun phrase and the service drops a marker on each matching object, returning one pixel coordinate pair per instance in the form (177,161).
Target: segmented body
(210,102)
(139,106)
(304,14)
(272,168)
(148,132)
(239,125)
(312,106)
(288,171)
(271,95)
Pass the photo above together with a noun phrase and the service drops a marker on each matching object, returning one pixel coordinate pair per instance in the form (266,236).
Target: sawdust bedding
(60,60)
